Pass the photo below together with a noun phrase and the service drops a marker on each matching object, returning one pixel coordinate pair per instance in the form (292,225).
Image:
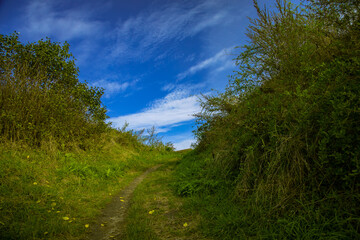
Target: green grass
(156,212)
(53,194)
(225,216)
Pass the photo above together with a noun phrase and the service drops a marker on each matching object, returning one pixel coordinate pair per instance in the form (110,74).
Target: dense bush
(41,98)
(286,130)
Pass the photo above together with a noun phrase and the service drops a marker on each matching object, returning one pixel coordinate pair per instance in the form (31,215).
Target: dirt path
(109,225)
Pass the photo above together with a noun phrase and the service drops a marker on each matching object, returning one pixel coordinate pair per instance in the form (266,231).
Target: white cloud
(221,58)
(138,37)
(42,19)
(113,87)
(184,144)
(173,110)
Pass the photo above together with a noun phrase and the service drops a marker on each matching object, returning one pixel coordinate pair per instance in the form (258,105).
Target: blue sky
(153,58)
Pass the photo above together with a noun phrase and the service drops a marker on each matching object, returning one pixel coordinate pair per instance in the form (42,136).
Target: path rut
(110,223)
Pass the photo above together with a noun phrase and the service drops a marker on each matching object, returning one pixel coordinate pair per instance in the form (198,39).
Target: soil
(110,223)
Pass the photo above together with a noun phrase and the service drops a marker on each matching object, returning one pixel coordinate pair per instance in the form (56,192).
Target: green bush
(41,98)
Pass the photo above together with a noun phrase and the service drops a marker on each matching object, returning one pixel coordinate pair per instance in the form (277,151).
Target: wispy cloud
(220,58)
(42,19)
(138,37)
(113,87)
(174,109)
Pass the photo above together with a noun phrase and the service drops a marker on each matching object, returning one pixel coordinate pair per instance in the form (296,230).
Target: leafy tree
(41,97)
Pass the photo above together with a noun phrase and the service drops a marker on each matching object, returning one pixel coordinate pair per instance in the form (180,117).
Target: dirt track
(109,224)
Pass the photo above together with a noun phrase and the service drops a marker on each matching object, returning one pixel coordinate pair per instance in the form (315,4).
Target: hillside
(60,162)
(278,152)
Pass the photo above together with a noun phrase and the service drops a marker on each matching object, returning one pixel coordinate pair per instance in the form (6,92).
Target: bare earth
(109,225)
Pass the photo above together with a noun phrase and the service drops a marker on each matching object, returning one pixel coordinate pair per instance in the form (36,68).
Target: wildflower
(151,212)
(185,224)
(57,211)
(27,156)
(122,200)
(102,225)
(53,204)
(35,183)
(66,218)
(86,225)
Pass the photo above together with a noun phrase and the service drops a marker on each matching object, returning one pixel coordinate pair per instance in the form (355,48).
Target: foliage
(151,140)
(286,130)
(41,98)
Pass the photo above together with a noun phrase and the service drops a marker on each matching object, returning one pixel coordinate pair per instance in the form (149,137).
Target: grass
(156,212)
(225,216)
(55,194)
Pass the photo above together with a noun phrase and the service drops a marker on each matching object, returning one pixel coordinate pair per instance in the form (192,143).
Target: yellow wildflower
(185,224)
(151,212)
(86,225)
(35,183)
(66,218)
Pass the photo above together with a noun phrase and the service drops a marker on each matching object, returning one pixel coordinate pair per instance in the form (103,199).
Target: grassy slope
(53,194)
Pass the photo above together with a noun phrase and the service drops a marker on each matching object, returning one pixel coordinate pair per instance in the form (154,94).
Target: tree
(41,96)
